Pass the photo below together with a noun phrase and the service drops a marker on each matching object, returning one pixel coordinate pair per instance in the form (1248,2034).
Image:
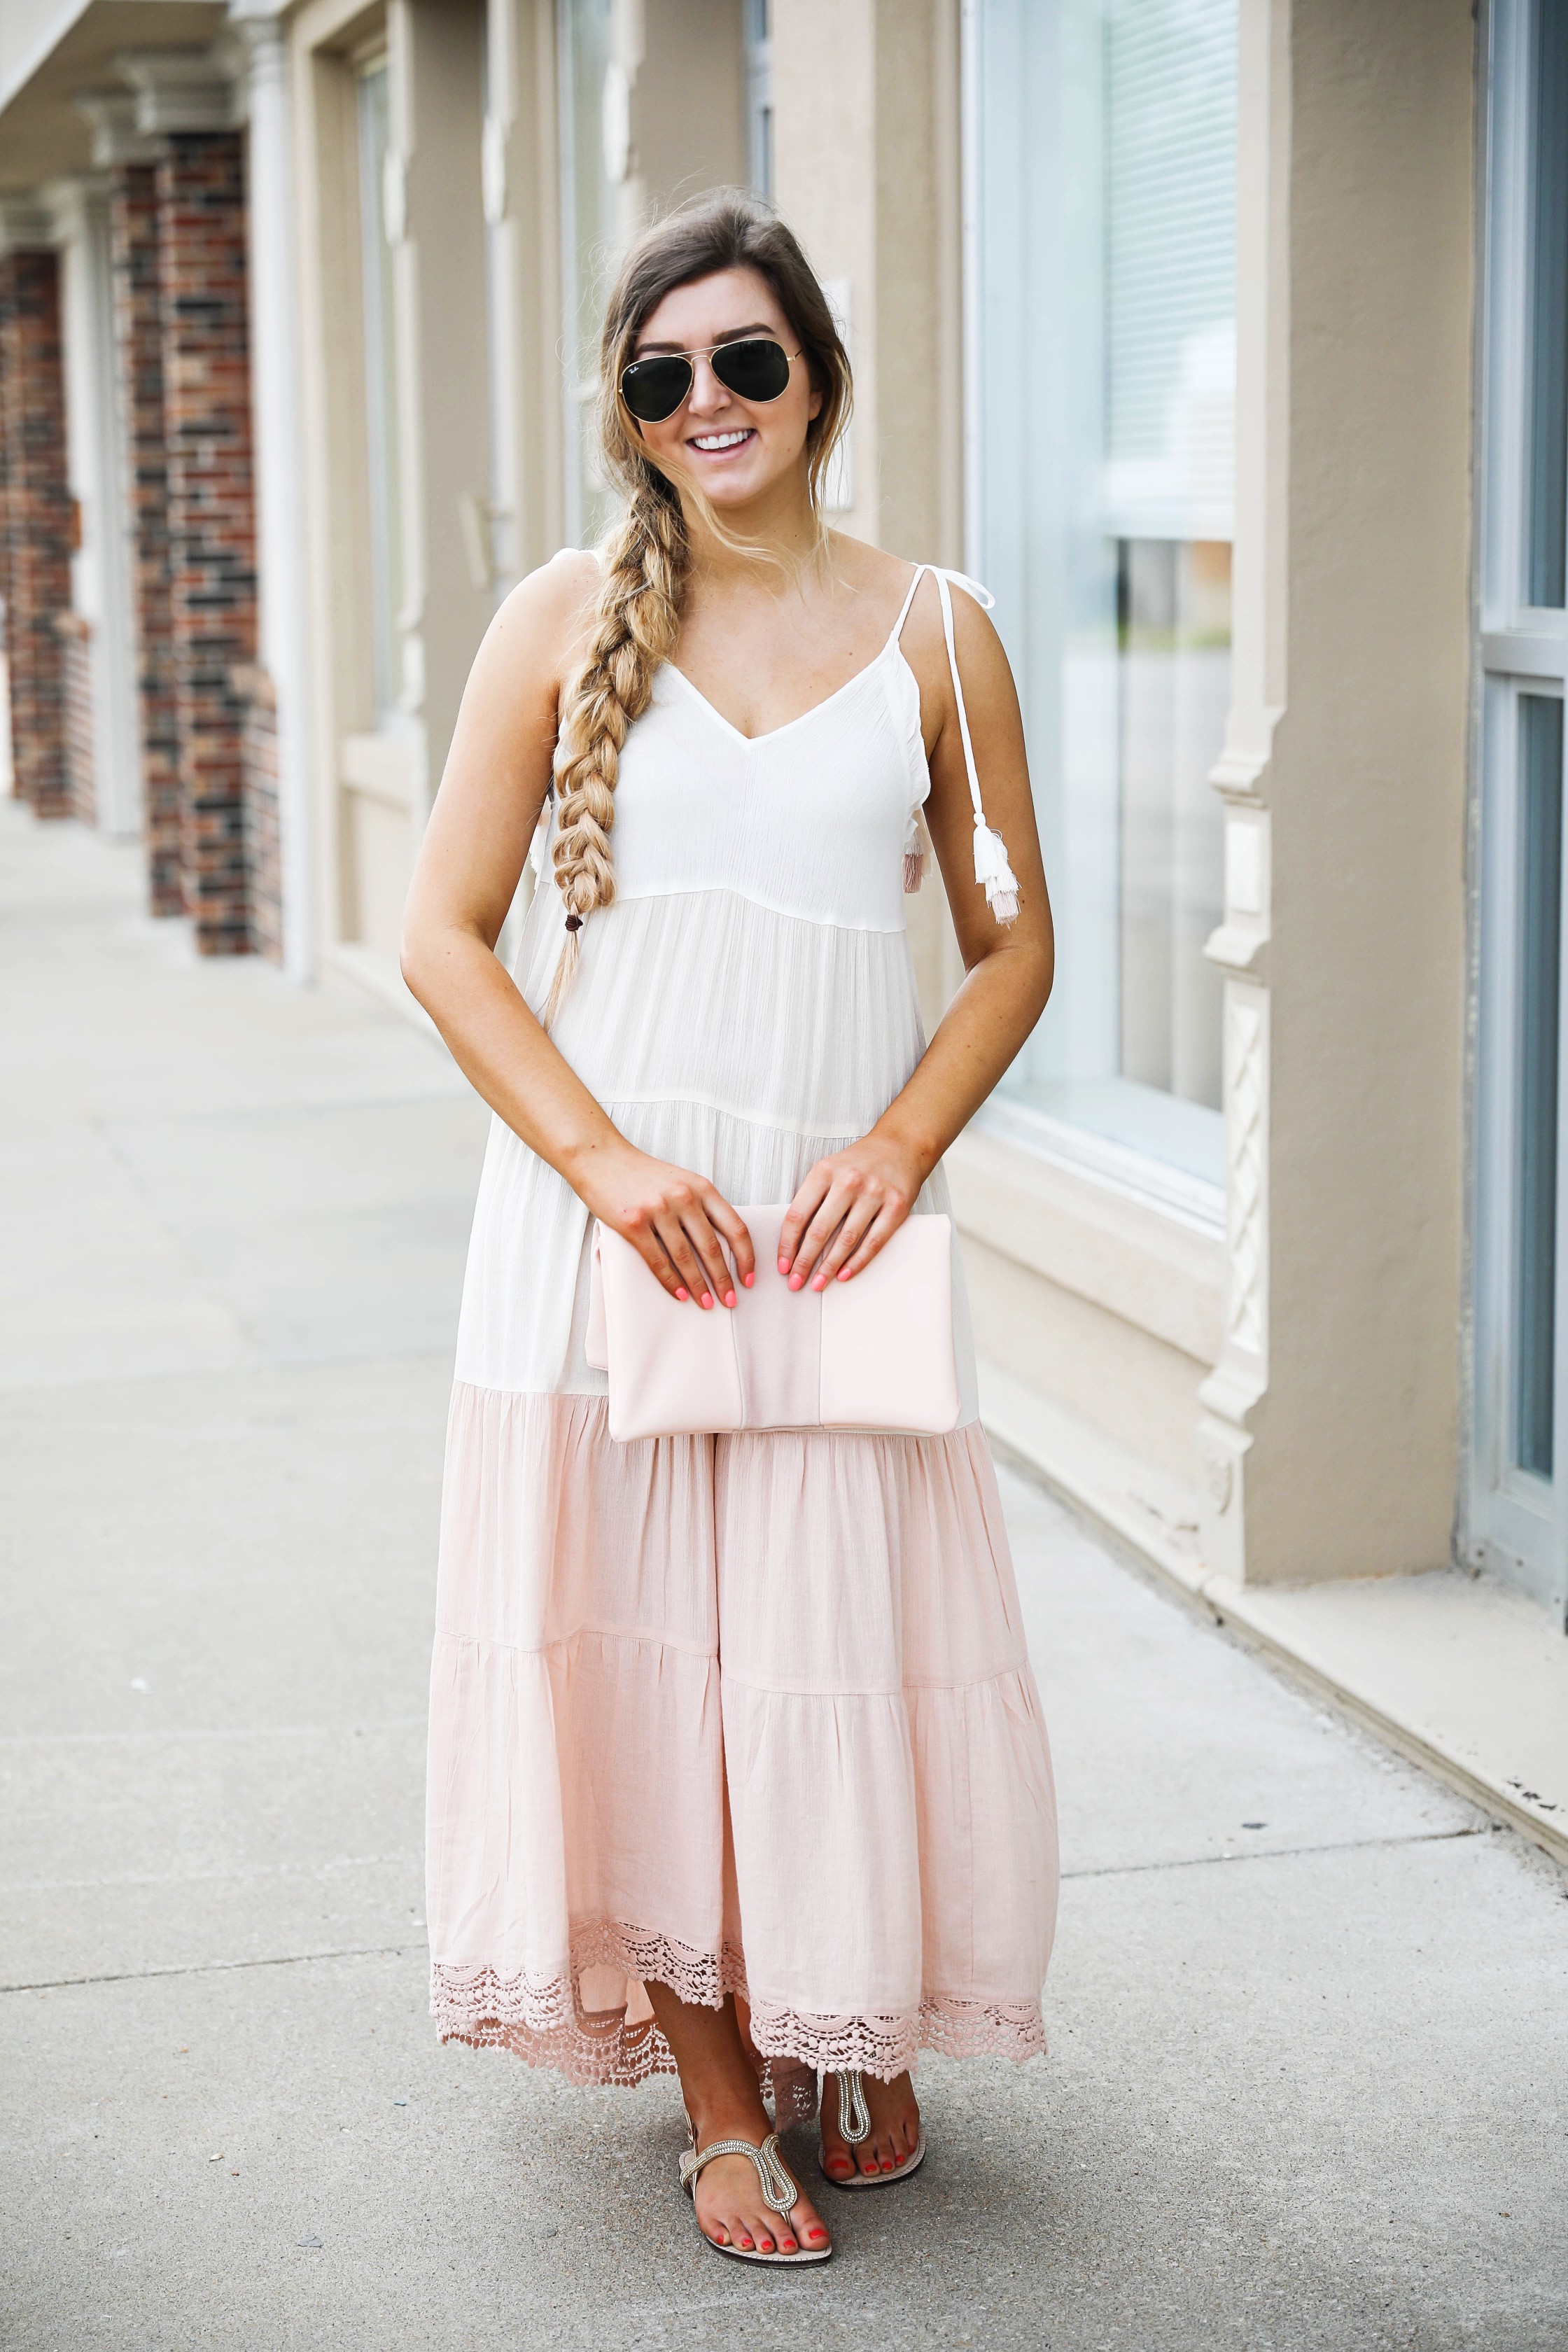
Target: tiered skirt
(746,1714)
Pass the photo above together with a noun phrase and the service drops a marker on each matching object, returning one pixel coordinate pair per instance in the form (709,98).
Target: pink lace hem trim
(542,2019)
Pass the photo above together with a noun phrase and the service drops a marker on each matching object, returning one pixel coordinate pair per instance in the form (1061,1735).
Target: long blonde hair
(645,560)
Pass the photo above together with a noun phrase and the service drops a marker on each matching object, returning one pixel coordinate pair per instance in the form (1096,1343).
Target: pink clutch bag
(872,1354)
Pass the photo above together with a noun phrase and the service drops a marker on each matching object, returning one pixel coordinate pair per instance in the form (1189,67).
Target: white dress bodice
(745,1007)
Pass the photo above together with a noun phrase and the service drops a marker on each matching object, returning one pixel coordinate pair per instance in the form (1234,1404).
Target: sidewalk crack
(1278,1853)
(211,1967)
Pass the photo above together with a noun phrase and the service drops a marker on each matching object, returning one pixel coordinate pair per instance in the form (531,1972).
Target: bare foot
(892,2138)
(723,2101)
(730,2207)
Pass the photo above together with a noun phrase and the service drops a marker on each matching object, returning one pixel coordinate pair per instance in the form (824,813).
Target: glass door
(1517,1517)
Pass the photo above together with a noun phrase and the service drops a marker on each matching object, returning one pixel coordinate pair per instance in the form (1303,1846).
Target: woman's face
(734,450)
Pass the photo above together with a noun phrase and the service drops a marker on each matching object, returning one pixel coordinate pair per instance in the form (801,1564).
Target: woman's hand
(846,1209)
(673,1219)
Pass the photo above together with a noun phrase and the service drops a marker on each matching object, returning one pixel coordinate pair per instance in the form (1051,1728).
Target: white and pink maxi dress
(747,1713)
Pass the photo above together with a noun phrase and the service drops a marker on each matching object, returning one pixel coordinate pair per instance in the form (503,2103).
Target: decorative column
(183,101)
(129,156)
(37,514)
(99,633)
(1328,1436)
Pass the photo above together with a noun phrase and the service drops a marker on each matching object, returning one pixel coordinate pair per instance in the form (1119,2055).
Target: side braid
(636,621)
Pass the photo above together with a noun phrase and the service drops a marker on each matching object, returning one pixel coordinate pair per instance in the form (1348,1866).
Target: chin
(734,489)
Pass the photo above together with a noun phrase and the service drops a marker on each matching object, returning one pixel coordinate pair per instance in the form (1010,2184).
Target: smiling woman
(737,1763)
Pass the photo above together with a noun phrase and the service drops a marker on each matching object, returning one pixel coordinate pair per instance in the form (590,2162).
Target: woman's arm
(853,1202)
(468,868)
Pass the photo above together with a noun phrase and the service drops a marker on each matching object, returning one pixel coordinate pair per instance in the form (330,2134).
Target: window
(1518,1497)
(1100,288)
(381,435)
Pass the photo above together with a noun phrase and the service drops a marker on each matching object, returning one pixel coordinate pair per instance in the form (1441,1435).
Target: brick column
(139,344)
(35,524)
(211,521)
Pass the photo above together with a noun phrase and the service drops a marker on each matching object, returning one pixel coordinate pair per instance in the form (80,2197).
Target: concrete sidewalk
(1309,2010)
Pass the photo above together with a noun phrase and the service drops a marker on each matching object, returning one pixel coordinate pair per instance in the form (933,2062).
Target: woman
(736,1763)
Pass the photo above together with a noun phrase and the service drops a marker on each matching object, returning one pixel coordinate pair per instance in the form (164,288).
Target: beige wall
(688,109)
(524,208)
(867,174)
(443,351)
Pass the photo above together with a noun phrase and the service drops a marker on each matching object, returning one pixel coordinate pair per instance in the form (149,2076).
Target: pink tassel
(916,854)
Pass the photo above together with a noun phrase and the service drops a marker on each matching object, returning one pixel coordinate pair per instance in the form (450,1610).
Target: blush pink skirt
(747,1713)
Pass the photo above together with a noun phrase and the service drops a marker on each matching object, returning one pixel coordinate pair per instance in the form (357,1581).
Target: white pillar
(282,640)
(101,567)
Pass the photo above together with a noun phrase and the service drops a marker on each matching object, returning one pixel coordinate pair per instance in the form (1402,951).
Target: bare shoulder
(539,624)
(869,572)
(543,618)
(982,659)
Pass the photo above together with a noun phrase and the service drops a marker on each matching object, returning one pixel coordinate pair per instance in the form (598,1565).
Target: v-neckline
(771,734)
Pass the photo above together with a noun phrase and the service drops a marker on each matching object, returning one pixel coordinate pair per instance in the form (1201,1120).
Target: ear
(815,411)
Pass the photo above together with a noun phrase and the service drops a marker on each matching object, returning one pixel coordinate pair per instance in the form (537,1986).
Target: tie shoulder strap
(992,871)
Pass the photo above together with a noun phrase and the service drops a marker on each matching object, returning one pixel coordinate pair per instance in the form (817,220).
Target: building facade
(1227,339)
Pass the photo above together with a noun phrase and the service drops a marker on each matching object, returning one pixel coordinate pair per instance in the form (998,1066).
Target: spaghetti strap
(897,631)
(991,870)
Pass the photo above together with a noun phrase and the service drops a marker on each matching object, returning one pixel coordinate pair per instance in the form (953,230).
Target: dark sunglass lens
(653,389)
(754,371)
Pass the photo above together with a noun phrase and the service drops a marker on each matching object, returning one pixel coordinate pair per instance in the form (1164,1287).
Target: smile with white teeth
(723,440)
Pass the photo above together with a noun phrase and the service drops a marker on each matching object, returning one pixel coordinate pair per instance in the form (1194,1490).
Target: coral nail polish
(794,1282)
(820,1283)
(843,1274)
(748,1279)
(729,1298)
(783,1265)
(683,1294)
(708,1298)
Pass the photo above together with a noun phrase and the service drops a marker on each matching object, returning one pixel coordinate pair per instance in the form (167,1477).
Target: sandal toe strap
(780,2189)
(854,2114)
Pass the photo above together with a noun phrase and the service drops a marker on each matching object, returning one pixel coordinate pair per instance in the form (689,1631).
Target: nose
(708,396)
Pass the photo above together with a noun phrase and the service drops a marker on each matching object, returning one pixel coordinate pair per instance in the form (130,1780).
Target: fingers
(676,1230)
(802,1209)
(698,1280)
(733,1227)
(718,1284)
(644,1239)
(878,1234)
(847,1231)
(841,1216)
(818,1234)
(857,1221)
(818,1230)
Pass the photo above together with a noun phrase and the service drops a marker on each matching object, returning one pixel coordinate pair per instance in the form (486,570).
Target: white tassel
(994,874)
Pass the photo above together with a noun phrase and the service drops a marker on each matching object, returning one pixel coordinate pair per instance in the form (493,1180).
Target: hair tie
(574,922)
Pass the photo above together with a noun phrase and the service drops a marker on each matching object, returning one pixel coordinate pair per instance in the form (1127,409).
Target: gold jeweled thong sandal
(781,2193)
(854,2126)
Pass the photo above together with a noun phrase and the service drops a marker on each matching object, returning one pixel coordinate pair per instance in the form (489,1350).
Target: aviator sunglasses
(754,369)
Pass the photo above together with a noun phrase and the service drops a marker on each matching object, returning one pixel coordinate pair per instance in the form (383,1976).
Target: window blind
(1170,268)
